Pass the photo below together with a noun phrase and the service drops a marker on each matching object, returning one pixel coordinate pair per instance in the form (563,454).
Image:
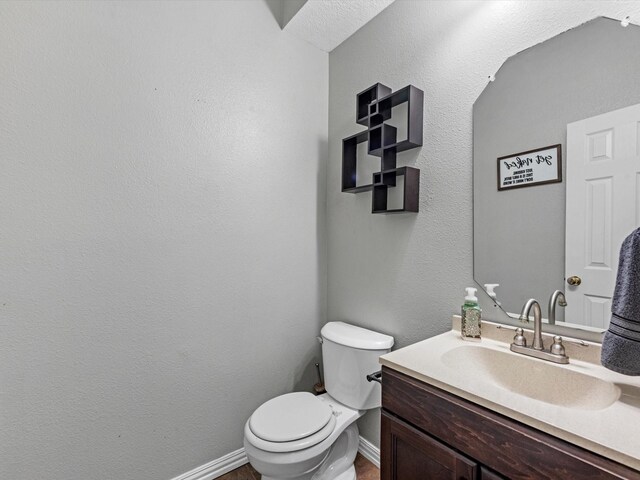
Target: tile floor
(364,469)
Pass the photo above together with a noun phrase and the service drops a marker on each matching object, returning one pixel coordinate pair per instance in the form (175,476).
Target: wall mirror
(579,90)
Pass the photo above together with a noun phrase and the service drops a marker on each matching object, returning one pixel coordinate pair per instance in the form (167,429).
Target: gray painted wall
(405,275)
(589,70)
(162,253)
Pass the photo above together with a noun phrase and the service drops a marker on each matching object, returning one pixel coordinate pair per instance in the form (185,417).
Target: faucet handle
(557,348)
(519,339)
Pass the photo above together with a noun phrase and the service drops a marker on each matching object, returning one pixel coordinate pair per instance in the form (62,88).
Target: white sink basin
(533,378)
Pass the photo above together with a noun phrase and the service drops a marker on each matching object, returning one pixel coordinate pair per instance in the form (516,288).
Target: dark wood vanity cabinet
(428,433)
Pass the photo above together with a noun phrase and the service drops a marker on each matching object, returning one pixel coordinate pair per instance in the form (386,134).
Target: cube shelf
(387,178)
(366,98)
(373,108)
(381,137)
(414,98)
(350,163)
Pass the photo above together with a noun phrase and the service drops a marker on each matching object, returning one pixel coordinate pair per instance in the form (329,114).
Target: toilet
(305,437)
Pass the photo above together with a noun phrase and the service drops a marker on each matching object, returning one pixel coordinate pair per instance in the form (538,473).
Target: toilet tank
(349,354)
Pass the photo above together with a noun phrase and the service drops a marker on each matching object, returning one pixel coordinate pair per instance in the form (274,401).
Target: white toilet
(304,437)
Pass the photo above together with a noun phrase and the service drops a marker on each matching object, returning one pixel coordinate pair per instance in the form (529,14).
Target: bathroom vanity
(441,420)
(429,433)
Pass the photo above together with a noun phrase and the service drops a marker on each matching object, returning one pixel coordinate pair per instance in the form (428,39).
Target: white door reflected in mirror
(603,180)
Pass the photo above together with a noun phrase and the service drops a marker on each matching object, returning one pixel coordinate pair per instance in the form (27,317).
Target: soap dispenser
(491,291)
(471,322)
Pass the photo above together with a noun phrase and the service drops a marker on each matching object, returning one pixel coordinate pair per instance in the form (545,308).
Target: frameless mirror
(556,172)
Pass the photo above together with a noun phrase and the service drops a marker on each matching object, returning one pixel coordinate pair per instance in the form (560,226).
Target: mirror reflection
(545,223)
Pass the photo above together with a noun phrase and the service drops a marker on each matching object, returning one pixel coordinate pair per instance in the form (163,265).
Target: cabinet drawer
(508,447)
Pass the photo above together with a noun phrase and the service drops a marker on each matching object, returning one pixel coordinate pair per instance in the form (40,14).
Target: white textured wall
(162,195)
(405,275)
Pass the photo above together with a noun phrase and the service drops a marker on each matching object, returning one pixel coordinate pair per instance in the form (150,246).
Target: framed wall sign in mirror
(533,167)
(579,91)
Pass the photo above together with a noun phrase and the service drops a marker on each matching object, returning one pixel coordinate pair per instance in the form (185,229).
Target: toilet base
(350,474)
(337,463)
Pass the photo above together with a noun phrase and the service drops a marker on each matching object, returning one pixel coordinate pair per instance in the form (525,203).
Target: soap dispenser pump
(491,291)
(471,326)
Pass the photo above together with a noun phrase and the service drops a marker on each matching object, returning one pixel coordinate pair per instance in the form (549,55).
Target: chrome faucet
(555,354)
(556,297)
(537,321)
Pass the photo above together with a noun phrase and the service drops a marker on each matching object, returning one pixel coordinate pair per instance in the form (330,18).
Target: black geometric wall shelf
(373,108)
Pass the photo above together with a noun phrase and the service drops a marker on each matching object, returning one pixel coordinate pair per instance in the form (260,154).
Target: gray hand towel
(621,343)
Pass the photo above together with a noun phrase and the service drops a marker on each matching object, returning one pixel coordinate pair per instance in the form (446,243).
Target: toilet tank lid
(355,337)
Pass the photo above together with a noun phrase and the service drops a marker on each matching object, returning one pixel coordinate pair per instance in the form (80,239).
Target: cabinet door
(409,454)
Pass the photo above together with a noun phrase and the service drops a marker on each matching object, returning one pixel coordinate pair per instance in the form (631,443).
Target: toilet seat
(290,422)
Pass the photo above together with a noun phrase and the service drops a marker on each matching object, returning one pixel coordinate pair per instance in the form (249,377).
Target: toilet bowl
(303,437)
(321,455)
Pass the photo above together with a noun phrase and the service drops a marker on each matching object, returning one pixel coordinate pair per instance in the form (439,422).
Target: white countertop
(613,432)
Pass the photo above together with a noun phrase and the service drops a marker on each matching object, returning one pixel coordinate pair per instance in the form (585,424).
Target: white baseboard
(369,451)
(233,460)
(216,468)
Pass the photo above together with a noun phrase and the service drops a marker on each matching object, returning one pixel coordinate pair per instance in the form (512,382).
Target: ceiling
(328,23)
